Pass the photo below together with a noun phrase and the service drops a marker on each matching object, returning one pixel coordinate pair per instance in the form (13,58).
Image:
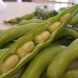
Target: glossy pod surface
(72,73)
(16,32)
(41,61)
(46,40)
(62,61)
(24,22)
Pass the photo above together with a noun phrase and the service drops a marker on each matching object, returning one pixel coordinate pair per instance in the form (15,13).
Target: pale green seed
(54,26)
(65,17)
(9,63)
(42,37)
(25,49)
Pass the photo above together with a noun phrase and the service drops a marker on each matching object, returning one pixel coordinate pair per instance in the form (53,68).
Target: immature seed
(65,17)
(25,49)
(42,37)
(9,63)
(54,26)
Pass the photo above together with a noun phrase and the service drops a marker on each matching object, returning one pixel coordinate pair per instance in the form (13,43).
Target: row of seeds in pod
(29,46)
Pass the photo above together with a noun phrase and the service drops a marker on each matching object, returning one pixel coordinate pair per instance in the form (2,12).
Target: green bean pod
(24,22)
(3,51)
(52,19)
(41,61)
(18,19)
(68,32)
(16,32)
(16,46)
(74,20)
(31,37)
(61,62)
(72,73)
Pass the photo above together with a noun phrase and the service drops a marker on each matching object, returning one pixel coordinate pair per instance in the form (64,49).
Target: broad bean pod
(72,73)
(16,32)
(74,20)
(68,32)
(18,19)
(24,22)
(41,60)
(61,62)
(36,40)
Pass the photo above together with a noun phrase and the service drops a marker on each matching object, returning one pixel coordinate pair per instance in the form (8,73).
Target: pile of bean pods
(37,48)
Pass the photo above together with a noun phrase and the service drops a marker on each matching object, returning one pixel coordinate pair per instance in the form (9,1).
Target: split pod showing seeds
(64,17)
(68,10)
(14,49)
(25,49)
(40,62)
(16,32)
(42,37)
(54,26)
(9,63)
(31,37)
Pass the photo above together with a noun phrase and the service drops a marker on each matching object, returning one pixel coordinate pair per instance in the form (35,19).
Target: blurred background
(59,3)
(12,8)
(69,1)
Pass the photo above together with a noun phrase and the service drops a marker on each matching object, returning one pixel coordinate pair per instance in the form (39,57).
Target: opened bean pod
(27,46)
(16,32)
(40,62)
